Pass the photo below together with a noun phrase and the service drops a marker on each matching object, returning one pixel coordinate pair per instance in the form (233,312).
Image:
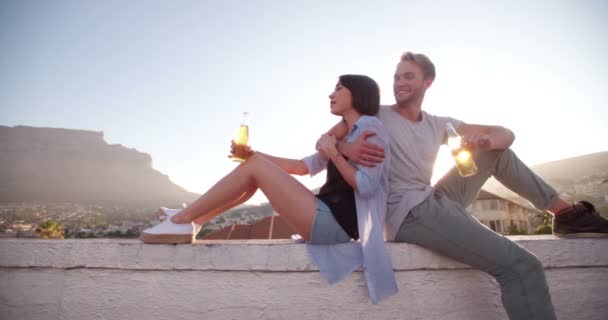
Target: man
(436,218)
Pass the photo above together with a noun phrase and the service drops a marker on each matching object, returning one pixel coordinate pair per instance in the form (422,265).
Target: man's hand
(363,152)
(477,140)
(482,137)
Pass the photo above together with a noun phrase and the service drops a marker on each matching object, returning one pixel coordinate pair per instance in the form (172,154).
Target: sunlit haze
(172,78)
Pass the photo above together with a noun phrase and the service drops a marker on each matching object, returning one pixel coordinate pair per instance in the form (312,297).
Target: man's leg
(444,226)
(506,167)
(575,221)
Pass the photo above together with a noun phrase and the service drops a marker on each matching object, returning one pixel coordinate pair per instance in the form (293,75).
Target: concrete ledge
(125,279)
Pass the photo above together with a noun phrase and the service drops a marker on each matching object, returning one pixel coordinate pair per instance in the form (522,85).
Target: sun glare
(443,164)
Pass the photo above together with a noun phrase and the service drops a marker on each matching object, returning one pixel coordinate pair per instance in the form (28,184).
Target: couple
(432,217)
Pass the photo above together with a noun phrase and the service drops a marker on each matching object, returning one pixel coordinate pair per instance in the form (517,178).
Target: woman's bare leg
(207,216)
(293,201)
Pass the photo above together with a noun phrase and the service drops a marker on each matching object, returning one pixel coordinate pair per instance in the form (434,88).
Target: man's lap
(444,226)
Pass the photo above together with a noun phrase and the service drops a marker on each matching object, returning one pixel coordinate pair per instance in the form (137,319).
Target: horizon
(172,79)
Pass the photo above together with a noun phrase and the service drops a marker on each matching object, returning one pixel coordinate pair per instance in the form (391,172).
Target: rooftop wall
(274,279)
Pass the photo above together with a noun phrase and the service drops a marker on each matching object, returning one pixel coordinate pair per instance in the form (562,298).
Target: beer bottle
(463,157)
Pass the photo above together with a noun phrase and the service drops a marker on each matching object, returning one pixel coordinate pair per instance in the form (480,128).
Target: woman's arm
(360,151)
(291,166)
(365,180)
(327,144)
(369,178)
(340,130)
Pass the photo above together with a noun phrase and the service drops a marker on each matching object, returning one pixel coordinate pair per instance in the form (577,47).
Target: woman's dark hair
(365,92)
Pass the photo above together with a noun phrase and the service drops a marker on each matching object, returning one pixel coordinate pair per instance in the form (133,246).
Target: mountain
(79,166)
(575,168)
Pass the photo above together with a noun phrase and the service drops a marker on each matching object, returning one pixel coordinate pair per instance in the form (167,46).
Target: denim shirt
(336,261)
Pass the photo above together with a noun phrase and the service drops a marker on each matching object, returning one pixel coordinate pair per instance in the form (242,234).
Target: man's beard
(407,101)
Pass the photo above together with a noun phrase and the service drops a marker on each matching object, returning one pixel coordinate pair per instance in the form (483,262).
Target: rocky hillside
(574,169)
(563,175)
(61,165)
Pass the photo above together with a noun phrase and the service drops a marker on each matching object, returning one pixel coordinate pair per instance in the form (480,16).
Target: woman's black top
(339,196)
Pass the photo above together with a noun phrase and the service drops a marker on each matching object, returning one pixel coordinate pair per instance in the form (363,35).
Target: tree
(513,230)
(544,229)
(50,230)
(546,222)
(603,212)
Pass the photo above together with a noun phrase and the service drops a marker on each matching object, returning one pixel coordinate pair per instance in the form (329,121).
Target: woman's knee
(251,160)
(254,161)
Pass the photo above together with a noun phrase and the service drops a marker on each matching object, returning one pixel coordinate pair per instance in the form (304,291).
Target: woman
(350,205)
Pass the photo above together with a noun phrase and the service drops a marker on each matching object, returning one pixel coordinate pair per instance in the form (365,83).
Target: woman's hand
(327,146)
(240,151)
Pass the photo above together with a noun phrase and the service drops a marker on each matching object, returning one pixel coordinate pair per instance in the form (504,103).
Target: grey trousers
(442,224)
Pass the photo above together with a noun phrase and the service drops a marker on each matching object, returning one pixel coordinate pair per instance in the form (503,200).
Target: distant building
(8,234)
(26,234)
(500,214)
(589,188)
(604,189)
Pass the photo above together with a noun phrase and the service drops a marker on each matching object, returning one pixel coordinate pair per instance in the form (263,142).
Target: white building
(500,214)
(589,188)
(604,189)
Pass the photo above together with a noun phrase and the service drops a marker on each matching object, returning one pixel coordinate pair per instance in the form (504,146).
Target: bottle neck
(245,119)
(454,140)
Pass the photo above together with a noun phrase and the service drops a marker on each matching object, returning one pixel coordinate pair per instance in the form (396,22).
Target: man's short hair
(428,68)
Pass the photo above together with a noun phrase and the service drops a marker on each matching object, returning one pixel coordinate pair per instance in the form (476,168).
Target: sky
(173,78)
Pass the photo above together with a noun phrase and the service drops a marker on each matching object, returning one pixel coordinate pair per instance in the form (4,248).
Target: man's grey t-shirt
(414,147)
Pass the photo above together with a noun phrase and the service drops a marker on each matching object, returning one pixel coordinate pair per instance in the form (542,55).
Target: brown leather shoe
(580,221)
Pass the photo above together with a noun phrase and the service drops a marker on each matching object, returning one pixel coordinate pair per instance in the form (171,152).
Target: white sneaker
(166,213)
(169,233)
(297,238)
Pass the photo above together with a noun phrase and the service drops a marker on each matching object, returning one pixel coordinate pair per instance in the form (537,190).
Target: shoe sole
(580,235)
(166,238)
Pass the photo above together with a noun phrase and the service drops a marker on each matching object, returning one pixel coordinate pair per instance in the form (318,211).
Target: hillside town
(21,220)
(502,214)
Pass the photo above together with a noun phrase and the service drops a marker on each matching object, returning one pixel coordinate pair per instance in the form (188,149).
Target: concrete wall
(125,279)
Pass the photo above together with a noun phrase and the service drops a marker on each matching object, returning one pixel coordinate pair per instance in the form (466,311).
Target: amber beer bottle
(242,137)
(464,159)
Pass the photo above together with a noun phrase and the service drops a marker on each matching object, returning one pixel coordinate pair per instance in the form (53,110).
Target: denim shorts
(325,228)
